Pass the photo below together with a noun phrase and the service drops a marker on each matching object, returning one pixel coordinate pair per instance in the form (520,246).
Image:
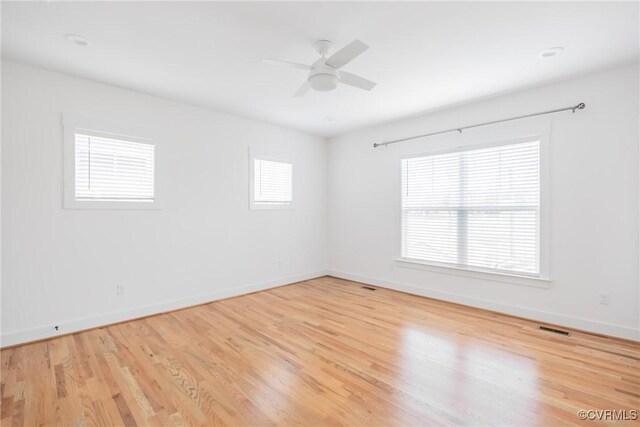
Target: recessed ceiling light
(553,51)
(76,39)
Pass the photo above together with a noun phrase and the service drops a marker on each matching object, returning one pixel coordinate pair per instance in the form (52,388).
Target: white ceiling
(423,55)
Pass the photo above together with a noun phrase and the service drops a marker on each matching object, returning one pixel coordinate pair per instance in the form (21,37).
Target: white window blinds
(113,169)
(477,208)
(272,182)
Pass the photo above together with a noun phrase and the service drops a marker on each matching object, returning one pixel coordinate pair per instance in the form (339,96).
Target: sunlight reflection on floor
(462,372)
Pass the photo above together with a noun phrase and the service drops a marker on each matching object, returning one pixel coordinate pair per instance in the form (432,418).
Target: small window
(477,209)
(113,169)
(108,170)
(271,183)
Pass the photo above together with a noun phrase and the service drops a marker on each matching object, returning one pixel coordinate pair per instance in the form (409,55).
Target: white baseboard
(542,316)
(76,325)
(70,326)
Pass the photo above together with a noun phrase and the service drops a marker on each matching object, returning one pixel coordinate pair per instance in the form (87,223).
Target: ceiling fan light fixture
(323,82)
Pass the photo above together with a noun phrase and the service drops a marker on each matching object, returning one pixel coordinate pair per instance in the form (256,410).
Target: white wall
(594,199)
(61,267)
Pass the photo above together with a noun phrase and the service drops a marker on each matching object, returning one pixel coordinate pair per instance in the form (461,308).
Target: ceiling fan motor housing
(323,77)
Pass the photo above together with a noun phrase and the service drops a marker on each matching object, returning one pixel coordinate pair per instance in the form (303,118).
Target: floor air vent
(368,288)
(555,331)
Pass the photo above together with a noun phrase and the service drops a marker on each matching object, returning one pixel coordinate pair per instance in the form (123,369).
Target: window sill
(538,282)
(111,205)
(274,206)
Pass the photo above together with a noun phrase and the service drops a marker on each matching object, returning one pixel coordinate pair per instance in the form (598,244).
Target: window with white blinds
(108,169)
(478,208)
(272,182)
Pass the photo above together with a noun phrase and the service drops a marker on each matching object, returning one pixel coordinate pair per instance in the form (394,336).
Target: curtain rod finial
(578,107)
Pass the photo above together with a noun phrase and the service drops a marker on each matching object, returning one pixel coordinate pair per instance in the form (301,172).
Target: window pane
(502,176)
(503,240)
(431,235)
(112,169)
(272,182)
(432,181)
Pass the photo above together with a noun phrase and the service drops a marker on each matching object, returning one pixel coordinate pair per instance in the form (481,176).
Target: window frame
(539,280)
(73,124)
(272,155)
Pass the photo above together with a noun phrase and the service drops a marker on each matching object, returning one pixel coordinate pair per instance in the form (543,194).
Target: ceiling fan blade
(356,81)
(286,64)
(302,90)
(346,54)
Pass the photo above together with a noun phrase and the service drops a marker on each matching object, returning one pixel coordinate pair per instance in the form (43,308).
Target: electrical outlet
(605,298)
(120,289)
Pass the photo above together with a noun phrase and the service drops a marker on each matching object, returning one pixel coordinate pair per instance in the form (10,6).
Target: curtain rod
(573,109)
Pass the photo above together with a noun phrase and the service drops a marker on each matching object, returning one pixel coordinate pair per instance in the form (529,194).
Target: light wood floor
(321,352)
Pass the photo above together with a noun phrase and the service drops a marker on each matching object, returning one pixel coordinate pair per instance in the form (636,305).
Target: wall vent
(555,331)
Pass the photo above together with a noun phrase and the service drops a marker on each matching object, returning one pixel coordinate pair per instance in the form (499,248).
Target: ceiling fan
(325,73)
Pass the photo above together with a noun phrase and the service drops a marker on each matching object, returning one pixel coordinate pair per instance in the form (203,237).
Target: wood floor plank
(321,352)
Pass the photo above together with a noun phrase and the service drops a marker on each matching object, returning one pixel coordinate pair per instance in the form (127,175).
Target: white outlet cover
(605,298)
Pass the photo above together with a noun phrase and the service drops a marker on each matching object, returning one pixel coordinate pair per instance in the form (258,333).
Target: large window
(478,208)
